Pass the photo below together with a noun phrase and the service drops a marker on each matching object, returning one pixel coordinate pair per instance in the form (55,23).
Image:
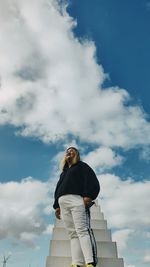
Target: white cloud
(126,204)
(21,207)
(147,257)
(49,229)
(103,158)
(122,199)
(147,234)
(145,153)
(121,237)
(51,87)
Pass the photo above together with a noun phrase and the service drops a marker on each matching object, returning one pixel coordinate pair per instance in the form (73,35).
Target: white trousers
(76,221)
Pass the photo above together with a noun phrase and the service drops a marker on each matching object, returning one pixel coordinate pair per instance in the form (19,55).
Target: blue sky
(75,74)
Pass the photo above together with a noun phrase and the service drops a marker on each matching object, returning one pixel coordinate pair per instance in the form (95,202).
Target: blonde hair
(76,158)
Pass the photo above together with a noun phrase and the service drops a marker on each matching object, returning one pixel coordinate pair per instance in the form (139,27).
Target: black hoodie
(79,179)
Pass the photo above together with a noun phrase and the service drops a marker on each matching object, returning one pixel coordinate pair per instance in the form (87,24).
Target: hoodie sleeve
(56,204)
(91,184)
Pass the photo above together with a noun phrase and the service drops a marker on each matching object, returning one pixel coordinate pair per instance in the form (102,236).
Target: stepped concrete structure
(60,254)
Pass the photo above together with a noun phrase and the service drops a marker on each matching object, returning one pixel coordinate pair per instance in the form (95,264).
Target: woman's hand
(87,201)
(57,213)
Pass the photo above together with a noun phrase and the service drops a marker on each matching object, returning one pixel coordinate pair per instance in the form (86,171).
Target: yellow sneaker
(90,265)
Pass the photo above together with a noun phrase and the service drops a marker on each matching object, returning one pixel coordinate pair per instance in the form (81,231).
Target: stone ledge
(61,248)
(66,262)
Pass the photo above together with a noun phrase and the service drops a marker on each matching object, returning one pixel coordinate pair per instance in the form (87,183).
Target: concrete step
(105,262)
(97,215)
(66,262)
(95,224)
(62,248)
(60,254)
(100,234)
(95,208)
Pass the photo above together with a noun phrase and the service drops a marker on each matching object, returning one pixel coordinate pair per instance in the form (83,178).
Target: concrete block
(105,262)
(99,224)
(97,215)
(60,254)
(95,224)
(66,262)
(100,234)
(95,208)
(62,248)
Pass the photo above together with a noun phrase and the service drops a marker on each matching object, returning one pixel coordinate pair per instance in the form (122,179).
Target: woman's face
(70,154)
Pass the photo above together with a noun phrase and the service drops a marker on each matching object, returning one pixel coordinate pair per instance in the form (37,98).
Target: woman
(76,189)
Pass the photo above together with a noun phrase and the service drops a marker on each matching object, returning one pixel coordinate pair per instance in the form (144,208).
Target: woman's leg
(77,222)
(92,237)
(82,226)
(66,215)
